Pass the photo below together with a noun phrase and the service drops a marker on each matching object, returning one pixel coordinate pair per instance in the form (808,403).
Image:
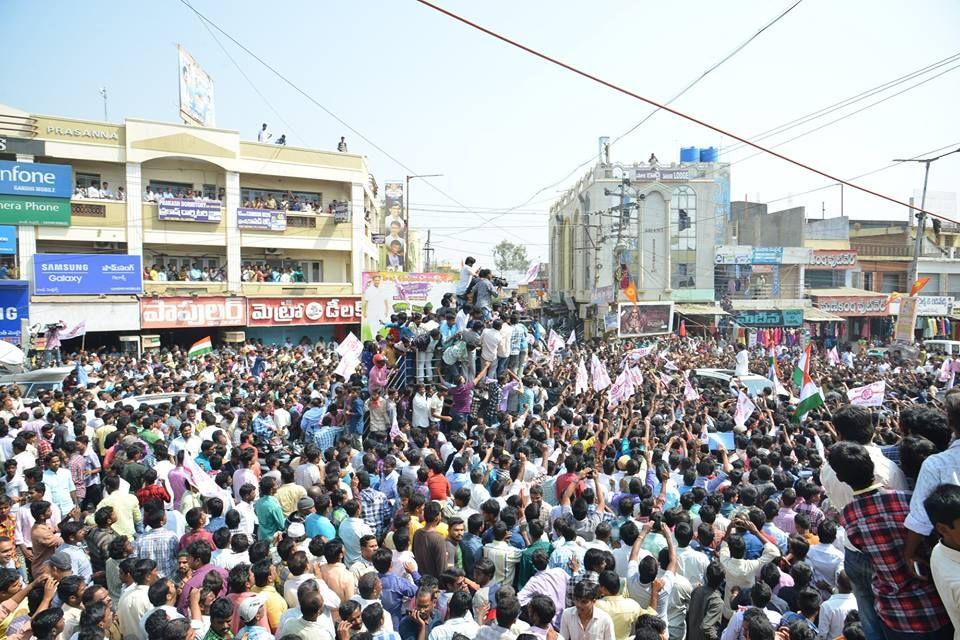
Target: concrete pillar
(134,209)
(26,240)
(233,231)
(357,236)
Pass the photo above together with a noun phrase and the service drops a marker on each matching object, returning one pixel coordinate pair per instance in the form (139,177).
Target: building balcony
(188,288)
(98,213)
(297,289)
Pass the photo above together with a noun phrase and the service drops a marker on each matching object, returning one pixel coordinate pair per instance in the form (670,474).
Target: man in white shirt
(584,621)
(186,441)
(825,558)
(459,619)
(263,135)
(691,564)
(834,610)
(467,272)
(93,191)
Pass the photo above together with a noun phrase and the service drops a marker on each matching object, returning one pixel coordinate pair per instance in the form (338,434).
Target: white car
(753,383)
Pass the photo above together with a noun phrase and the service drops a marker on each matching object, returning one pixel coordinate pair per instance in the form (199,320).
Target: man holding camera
(483,292)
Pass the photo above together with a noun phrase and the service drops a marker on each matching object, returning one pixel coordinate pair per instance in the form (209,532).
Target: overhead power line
(333,115)
(685,116)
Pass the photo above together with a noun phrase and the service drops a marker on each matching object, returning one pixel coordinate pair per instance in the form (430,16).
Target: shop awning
(812,314)
(687,309)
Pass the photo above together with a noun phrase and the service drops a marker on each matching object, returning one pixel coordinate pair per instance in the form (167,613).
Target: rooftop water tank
(708,154)
(689,154)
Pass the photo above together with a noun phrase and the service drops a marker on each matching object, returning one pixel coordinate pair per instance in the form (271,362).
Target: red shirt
(439,486)
(192,536)
(152,492)
(564,481)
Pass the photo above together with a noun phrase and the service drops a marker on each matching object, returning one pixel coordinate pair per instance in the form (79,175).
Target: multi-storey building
(227,233)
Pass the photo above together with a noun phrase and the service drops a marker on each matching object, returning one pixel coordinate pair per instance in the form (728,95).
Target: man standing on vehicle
(466,276)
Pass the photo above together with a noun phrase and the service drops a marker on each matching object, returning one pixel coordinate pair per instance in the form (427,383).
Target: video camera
(498,281)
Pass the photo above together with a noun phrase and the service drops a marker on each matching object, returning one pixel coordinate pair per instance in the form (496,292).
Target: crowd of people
(173,273)
(506,494)
(98,191)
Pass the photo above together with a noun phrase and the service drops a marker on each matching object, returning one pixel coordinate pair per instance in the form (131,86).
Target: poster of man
(644,319)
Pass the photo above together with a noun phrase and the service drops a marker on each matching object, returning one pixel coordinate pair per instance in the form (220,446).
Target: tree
(510,257)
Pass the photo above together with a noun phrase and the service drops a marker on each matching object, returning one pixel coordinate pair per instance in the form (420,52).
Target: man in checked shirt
(908,607)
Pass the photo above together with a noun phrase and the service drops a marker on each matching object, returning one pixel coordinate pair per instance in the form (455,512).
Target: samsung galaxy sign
(35,179)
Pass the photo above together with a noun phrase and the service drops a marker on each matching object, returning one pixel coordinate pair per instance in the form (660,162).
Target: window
(251,195)
(178,189)
(868,281)
(683,237)
(211,191)
(820,279)
(84,180)
(890,283)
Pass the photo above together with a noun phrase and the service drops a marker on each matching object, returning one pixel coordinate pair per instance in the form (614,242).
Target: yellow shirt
(288,495)
(624,612)
(275,605)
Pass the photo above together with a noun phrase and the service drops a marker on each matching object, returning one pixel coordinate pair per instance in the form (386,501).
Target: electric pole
(914,274)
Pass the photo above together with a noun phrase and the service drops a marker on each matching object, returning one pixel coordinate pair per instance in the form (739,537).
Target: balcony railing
(297,289)
(183,288)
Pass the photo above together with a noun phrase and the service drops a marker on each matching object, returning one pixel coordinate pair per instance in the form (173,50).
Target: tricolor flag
(810,396)
(200,347)
(601,379)
(802,365)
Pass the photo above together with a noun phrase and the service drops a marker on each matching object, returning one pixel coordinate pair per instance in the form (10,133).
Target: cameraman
(52,344)
(483,292)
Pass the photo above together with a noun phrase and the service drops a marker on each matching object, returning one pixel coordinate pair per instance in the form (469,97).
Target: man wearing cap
(378,374)
(250,612)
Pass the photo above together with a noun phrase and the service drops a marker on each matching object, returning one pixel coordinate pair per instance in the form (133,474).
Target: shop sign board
(59,274)
(36,179)
(262,219)
(843,259)
(186,210)
(272,312)
(770,318)
(14,308)
(187,312)
(853,305)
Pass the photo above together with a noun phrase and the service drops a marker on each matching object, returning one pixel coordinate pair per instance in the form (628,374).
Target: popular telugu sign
(263,312)
(771,318)
(188,312)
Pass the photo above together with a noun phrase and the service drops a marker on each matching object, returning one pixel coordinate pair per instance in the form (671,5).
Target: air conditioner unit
(272,251)
(106,246)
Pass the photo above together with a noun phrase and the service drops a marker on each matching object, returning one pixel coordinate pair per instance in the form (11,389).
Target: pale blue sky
(500,124)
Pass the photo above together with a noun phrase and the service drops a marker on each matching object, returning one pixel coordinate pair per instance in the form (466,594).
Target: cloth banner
(581,383)
(554,342)
(689,393)
(348,364)
(75,331)
(745,409)
(870,395)
(601,379)
(350,344)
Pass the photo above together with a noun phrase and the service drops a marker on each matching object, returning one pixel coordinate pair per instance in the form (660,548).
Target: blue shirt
(754,546)
(356,420)
(396,592)
(263,426)
(472,548)
(312,417)
(318,525)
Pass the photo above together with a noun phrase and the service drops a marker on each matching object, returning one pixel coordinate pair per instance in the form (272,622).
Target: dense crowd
(504,494)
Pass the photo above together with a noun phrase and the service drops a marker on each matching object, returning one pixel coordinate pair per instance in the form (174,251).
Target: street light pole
(914,274)
(406,216)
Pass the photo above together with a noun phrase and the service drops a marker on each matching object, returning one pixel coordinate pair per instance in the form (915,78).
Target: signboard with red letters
(273,312)
(186,312)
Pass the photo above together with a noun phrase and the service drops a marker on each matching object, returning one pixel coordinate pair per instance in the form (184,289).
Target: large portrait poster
(394,226)
(389,292)
(196,91)
(644,319)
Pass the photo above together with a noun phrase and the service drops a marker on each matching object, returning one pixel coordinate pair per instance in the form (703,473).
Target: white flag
(532,272)
(669,366)
(620,390)
(665,379)
(572,339)
(350,344)
(870,395)
(689,393)
(75,331)
(834,356)
(581,383)
(554,341)
(745,409)
(636,377)
(601,379)
(348,364)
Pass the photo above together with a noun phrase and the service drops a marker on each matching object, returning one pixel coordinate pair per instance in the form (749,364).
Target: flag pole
(83,342)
